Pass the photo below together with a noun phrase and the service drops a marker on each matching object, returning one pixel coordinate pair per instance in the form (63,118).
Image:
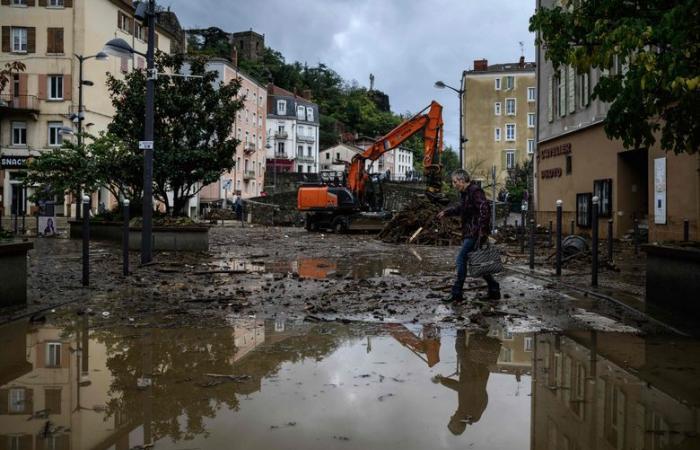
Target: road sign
(145,145)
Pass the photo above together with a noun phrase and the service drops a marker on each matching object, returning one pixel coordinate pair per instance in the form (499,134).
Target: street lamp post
(462,139)
(101,56)
(120,47)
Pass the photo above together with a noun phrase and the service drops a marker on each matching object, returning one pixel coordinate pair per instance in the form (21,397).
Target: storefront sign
(551,152)
(13,162)
(551,173)
(660,191)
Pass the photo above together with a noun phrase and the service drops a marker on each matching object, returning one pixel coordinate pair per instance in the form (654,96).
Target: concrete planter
(672,280)
(194,238)
(13,272)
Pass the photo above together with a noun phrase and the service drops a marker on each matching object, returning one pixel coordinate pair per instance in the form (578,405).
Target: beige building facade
(499,107)
(46,35)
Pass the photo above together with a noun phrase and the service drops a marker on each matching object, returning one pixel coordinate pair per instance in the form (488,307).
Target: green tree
(194,123)
(649,51)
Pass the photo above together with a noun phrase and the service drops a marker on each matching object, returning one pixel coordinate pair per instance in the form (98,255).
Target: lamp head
(440,85)
(101,56)
(117,47)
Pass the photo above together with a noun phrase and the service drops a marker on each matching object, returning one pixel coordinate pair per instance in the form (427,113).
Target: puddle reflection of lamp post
(119,47)
(462,139)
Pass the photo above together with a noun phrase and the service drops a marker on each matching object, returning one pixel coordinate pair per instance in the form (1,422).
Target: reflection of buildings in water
(425,345)
(614,391)
(515,356)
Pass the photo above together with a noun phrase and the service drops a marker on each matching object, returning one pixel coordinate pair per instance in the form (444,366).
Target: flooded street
(74,380)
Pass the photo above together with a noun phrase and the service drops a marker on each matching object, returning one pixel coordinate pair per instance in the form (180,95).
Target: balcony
(305,138)
(249,175)
(303,158)
(281,135)
(281,155)
(249,148)
(19,103)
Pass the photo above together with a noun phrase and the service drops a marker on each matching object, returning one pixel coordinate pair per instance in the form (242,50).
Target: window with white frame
(53,354)
(531,94)
(510,106)
(510,132)
(497,108)
(509,82)
(301,112)
(280,148)
(530,146)
(56,3)
(55,87)
(16,399)
(19,39)
(300,150)
(19,2)
(497,84)
(55,136)
(309,151)
(510,159)
(309,114)
(497,134)
(281,107)
(19,133)
(527,344)
(531,120)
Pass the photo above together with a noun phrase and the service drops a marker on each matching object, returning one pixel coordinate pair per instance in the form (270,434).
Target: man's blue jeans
(458,287)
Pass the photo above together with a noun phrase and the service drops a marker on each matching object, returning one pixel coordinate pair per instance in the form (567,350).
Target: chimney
(234,56)
(522,61)
(270,88)
(481,65)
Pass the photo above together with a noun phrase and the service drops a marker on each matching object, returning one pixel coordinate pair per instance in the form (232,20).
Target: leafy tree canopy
(649,51)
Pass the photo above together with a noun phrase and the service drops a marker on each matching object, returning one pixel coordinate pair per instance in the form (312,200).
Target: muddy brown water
(76,382)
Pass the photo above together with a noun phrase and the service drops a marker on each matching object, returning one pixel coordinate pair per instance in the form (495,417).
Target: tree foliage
(8,70)
(649,51)
(194,123)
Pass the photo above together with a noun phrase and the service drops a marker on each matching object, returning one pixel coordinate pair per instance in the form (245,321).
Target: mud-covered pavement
(267,272)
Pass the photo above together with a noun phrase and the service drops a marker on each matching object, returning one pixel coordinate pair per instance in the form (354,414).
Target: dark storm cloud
(406,44)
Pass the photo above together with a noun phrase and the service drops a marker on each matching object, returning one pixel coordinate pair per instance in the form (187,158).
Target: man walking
(476,225)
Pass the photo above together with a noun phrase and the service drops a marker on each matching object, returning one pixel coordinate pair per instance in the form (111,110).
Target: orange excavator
(359,204)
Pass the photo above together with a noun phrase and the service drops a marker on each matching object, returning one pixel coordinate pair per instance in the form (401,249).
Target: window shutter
(41,346)
(67,3)
(43,86)
(504,160)
(31,3)
(124,64)
(50,40)
(67,87)
(58,42)
(29,401)
(119,20)
(586,96)
(572,89)
(31,40)
(6,31)
(550,93)
(5,2)
(65,352)
(23,77)
(42,2)
(4,393)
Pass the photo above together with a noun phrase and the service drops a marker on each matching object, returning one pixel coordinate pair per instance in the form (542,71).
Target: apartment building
(293,127)
(499,103)
(247,177)
(45,35)
(576,161)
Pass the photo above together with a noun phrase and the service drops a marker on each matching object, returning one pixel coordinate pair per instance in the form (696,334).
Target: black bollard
(125,239)
(86,240)
(242,214)
(559,230)
(549,233)
(594,243)
(573,227)
(532,244)
(610,240)
(686,230)
(523,236)
(636,236)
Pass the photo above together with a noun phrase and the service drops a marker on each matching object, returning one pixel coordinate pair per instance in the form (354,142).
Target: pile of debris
(418,224)
(220,214)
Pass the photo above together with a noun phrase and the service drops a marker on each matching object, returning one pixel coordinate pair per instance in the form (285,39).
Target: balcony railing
(281,135)
(249,175)
(305,158)
(19,102)
(280,155)
(305,138)
(249,148)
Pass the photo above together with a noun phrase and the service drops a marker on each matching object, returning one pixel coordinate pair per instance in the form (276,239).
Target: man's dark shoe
(494,294)
(451,299)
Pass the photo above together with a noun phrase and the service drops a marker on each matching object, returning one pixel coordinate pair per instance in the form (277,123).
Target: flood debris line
(418,224)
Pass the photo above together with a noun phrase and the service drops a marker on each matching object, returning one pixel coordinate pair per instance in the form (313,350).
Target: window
(309,114)
(300,168)
(52,400)
(510,132)
(53,354)
(281,107)
(510,106)
(530,146)
(300,150)
(56,3)
(584,96)
(55,137)
(497,134)
(506,355)
(510,159)
(124,22)
(531,120)
(308,169)
(510,82)
(337,156)
(301,112)
(138,31)
(583,210)
(309,151)
(497,84)
(328,155)
(497,108)
(55,87)
(19,40)
(531,94)
(603,190)
(19,2)
(17,400)
(527,344)
(19,133)
(280,148)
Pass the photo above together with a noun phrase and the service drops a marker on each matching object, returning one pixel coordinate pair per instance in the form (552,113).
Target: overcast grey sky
(406,44)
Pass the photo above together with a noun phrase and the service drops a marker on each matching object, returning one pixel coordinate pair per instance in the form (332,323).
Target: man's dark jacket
(474,210)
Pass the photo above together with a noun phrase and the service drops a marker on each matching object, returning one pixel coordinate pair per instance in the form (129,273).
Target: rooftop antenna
(371,81)
(522,48)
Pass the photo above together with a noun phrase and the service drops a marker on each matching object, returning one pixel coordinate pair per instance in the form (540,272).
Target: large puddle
(73,383)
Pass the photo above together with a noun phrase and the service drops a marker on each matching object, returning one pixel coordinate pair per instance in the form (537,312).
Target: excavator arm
(430,124)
